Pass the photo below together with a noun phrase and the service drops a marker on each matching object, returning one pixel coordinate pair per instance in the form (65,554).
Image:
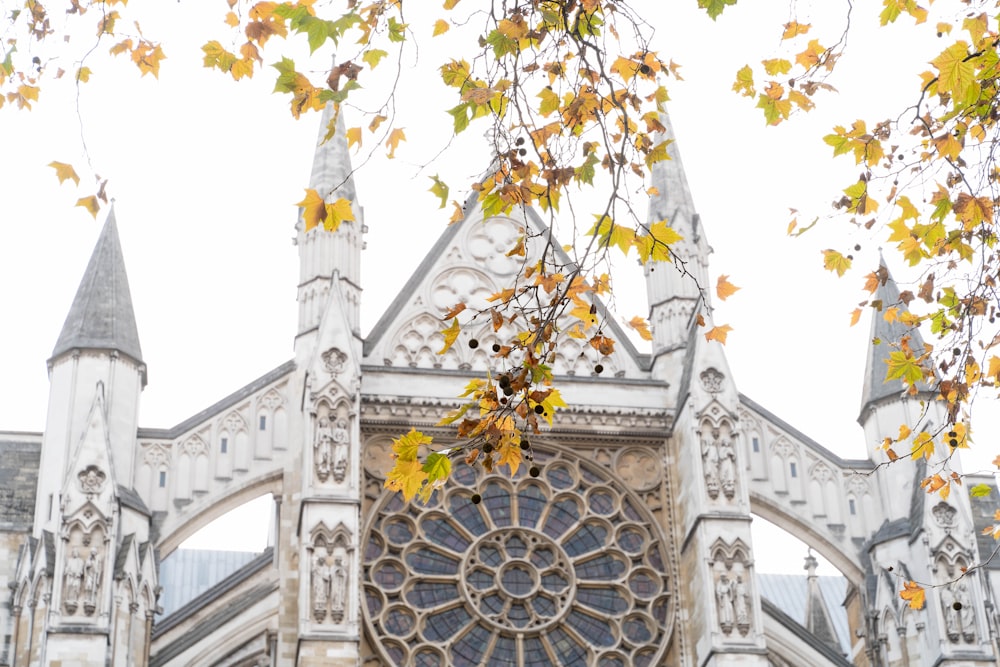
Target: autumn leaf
(407,447)
(923,446)
(913,593)
(353,137)
(65,171)
(603,344)
(90,203)
(392,142)
(855,316)
(835,261)
(313,209)
(980,491)
(439,189)
(642,326)
(655,245)
(725,289)
(793,29)
(336,213)
(450,335)
(440,27)
(406,476)
(957,74)
(437,466)
(718,333)
(903,366)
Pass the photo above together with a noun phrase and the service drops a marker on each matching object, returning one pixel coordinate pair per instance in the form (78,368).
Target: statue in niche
(724,598)
(710,458)
(320,586)
(340,438)
(324,448)
(91,581)
(339,589)
(74,580)
(727,469)
(741,603)
(959,616)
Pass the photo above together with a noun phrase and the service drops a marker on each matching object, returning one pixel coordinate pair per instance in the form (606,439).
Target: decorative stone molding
(234,423)
(91,480)
(194,446)
(334,361)
(640,468)
(271,400)
(944,515)
(711,380)
(156,455)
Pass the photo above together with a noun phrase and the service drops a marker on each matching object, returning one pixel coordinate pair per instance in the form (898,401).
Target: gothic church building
(632,547)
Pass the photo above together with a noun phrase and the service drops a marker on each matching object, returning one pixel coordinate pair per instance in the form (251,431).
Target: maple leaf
(509,453)
(313,209)
(83,74)
(392,142)
(406,447)
(794,29)
(835,261)
(336,213)
(406,476)
(440,27)
(90,203)
(603,344)
(744,82)
(973,211)
(450,334)
(65,171)
(656,244)
(725,289)
(913,593)
(353,137)
(957,74)
(923,446)
(642,326)
(903,366)
(718,333)
(855,316)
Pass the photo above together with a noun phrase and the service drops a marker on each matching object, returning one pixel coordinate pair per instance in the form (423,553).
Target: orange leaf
(719,333)
(603,344)
(855,316)
(392,142)
(455,310)
(914,594)
(90,203)
(724,288)
(642,326)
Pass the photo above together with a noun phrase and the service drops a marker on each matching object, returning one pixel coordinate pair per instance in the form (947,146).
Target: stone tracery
(565,568)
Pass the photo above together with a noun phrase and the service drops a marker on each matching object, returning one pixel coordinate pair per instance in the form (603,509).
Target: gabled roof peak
(101,316)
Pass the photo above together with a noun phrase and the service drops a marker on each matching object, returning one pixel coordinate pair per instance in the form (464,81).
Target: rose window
(563,569)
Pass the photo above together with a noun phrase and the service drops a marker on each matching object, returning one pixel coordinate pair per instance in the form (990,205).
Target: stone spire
(817,615)
(674,291)
(885,338)
(328,259)
(101,316)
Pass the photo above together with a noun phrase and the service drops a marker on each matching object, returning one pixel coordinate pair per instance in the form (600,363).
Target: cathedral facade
(631,546)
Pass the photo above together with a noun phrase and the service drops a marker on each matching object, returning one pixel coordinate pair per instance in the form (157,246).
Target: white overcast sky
(205,173)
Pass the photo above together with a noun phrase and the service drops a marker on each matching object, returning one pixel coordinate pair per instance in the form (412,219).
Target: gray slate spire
(673,200)
(885,338)
(101,316)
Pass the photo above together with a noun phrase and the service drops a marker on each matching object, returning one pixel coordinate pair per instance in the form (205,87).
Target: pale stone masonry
(631,546)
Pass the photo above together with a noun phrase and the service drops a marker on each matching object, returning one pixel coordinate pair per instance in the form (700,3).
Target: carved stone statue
(339,590)
(324,448)
(710,459)
(950,611)
(320,587)
(91,581)
(74,580)
(741,603)
(965,615)
(341,438)
(724,598)
(727,469)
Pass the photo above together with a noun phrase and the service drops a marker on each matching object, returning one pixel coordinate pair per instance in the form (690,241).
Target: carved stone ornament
(91,480)
(334,360)
(72,581)
(156,456)
(341,440)
(944,514)
(711,380)
(234,423)
(194,446)
(639,468)
(272,400)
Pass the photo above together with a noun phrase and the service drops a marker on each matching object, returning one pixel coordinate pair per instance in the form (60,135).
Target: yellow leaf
(913,593)
(392,142)
(973,211)
(406,476)
(642,326)
(65,171)
(957,74)
(336,213)
(904,432)
(794,29)
(232,19)
(406,447)
(353,137)
(83,74)
(450,335)
(835,261)
(656,244)
(725,289)
(719,333)
(440,27)
(242,68)
(994,369)
(855,316)
(923,446)
(811,56)
(91,204)
(450,4)
(585,314)
(509,452)
(744,82)
(313,209)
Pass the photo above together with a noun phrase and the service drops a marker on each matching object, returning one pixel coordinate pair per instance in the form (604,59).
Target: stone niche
(330,553)
(332,442)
